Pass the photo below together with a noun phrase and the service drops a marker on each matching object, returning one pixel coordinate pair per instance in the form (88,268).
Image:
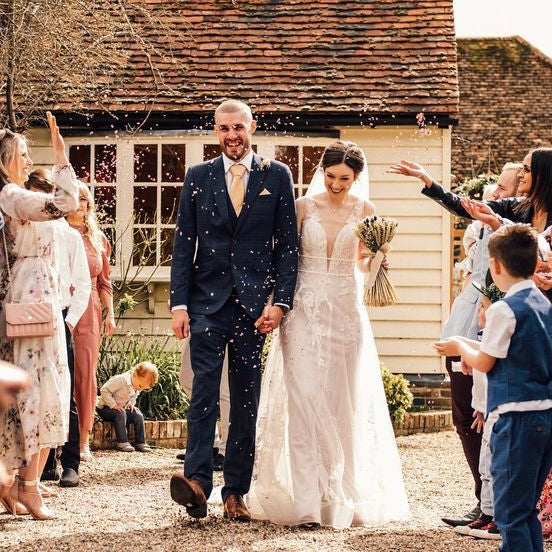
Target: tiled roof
(384,56)
(505,103)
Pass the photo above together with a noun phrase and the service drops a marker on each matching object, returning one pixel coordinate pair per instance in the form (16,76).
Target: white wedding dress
(326,451)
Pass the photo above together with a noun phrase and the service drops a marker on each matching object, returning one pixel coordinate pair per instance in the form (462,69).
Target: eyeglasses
(235,128)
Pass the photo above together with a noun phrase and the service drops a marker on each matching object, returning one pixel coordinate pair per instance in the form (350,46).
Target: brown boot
(235,509)
(189,493)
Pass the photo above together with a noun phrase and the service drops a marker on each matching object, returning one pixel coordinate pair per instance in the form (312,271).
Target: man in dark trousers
(233,277)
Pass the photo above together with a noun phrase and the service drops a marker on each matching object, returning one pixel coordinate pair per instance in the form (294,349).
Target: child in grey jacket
(117,401)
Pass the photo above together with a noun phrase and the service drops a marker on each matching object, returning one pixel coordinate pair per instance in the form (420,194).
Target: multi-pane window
(96,165)
(159,171)
(136,184)
(302,161)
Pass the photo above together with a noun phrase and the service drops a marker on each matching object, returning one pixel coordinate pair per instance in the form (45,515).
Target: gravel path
(123,504)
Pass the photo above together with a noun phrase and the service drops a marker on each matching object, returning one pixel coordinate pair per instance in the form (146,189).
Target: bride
(326,453)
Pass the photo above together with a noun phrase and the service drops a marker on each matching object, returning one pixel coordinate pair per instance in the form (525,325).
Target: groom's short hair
(231,106)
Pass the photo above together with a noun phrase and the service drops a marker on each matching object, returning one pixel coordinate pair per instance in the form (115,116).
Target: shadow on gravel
(215,534)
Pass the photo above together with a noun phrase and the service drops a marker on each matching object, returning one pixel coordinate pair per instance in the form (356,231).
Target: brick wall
(505,104)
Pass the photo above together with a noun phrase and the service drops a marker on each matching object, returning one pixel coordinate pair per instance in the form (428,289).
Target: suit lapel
(218,185)
(254,184)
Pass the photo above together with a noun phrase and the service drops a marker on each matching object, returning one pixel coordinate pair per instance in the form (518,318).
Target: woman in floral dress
(39,419)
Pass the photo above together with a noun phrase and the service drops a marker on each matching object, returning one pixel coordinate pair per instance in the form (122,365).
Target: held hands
(409,168)
(270,319)
(481,211)
(119,408)
(60,157)
(478,421)
(180,323)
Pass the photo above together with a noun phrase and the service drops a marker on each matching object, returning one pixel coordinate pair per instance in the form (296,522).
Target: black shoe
(49,475)
(181,456)
(468,518)
(218,460)
(69,478)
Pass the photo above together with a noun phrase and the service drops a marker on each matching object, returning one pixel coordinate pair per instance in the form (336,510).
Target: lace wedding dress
(326,451)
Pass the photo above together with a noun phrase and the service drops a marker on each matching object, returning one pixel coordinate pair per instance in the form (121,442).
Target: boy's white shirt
(500,325)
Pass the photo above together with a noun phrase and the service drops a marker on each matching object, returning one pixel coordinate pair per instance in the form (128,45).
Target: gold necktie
(237,187)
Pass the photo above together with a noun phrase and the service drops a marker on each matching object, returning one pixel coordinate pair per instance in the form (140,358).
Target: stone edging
(173,433)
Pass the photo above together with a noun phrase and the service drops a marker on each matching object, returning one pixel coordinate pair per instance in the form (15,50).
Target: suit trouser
(210,334)
(521,451)
(122,419)
(186,382)
(70,452)
(462,418)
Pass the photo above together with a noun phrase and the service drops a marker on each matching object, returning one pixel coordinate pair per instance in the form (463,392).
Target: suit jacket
(213,253)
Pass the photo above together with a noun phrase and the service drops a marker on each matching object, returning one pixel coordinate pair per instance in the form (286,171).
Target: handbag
(27,319)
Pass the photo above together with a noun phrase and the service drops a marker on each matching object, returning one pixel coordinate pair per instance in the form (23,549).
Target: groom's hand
(272,319)
(180,323)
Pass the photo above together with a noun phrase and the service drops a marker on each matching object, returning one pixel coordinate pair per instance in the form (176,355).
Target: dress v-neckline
(318,219)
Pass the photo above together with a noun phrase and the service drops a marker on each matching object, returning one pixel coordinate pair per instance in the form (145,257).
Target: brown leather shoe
(235,509)
(189,493)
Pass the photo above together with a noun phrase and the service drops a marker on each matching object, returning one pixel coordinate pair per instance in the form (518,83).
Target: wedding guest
(483,527)
(463,319)
(74,276)
(117,404)
(515,352)
(39,418)
(87,333)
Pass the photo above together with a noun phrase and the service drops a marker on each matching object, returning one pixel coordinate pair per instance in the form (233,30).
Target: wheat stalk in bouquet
(376,233)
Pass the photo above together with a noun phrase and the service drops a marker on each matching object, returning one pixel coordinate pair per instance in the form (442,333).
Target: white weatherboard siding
(420,259)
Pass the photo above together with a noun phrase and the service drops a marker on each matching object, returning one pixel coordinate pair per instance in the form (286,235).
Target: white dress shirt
(74,274)
(500,325)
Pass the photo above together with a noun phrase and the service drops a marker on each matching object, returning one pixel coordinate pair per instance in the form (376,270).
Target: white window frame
(124,182)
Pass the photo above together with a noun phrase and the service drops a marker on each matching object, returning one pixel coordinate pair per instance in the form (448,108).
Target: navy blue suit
(224,269)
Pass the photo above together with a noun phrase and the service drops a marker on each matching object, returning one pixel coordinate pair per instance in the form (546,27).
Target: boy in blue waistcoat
(516,354)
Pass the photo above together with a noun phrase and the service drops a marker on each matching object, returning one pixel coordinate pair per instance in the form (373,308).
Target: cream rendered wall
(420,259)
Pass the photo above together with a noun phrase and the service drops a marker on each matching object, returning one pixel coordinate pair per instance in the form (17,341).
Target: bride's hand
(482,212)
(409,168)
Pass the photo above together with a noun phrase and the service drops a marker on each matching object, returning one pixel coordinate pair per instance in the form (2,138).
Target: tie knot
(237,169)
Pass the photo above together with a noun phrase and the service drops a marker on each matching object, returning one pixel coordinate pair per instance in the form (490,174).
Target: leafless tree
(74,54)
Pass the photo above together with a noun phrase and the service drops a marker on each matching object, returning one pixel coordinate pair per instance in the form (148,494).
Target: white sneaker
(125,447)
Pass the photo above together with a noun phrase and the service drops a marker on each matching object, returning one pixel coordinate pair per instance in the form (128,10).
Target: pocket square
(265,192)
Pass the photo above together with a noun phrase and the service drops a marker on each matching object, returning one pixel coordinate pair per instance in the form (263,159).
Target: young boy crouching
(516,354)
(117,400)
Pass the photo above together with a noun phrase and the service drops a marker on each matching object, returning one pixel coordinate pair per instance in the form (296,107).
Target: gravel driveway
(123,504)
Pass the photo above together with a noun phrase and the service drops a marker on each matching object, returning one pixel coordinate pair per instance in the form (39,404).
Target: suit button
(234,267)
(235,242)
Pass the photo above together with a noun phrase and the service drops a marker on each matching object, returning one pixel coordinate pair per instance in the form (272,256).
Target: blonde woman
(87,333)
(38,420)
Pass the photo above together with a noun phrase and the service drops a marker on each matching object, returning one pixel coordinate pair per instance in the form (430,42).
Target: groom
(235,250)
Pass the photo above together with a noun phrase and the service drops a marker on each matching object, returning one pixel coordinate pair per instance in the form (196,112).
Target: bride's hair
(343,152)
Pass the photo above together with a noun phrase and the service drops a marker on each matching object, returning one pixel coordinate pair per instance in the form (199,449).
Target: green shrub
(473,187)
(398,395)
(166,401)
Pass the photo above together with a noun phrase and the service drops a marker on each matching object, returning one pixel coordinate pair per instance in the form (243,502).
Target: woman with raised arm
(534,208)
(39,419)
(326,452)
